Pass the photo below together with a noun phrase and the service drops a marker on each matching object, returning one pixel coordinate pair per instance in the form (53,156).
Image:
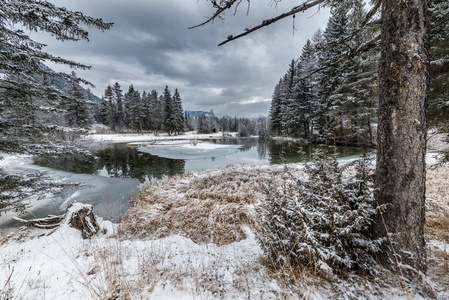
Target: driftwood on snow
(49,222)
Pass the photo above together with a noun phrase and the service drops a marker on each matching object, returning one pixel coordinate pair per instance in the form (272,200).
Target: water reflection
(120,161)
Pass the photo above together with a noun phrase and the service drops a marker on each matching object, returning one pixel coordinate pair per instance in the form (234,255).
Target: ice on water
(188,151)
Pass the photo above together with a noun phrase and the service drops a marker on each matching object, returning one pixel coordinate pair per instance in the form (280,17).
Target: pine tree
(304,106)
(275,110)
(204,124)
(329,114)
(77,108)
(118,96)
(134,107)
(155,112)
(169,120)
(212,122)
(354,98)
(439,76)
(110,107)
(189,122)
(288,97)
(146,111)
(23,88)
(178,112)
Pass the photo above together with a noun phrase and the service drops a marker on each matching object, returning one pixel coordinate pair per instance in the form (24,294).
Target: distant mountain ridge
(197,113)
(62,84)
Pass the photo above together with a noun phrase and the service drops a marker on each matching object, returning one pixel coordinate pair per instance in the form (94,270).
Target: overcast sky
(150,46)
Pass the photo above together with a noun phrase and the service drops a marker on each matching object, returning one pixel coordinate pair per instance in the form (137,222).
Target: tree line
(151,112)
(342,99)
(339,99)
(141,112)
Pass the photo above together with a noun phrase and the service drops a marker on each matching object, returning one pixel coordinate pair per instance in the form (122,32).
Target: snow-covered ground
(59,264)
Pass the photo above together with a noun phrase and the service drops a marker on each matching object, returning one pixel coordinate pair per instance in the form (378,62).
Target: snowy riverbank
(59,264)
(182,258)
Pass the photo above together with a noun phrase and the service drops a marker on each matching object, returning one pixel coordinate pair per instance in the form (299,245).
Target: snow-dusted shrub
(322,222)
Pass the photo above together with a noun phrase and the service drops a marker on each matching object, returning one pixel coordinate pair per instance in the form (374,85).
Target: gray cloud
(151,46)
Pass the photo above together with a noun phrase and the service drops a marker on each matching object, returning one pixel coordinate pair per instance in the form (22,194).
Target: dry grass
(207,207)
(437,194)
(115,273)
(436,229)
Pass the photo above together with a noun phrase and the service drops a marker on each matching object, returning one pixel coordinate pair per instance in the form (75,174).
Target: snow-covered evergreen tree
(118,97)
(328,111)
(190,123)
(169,119)
(322,222)
(202,124)
(275,110)
(303,109)
(178,112)
(134,109)
(145,111)
(156,113)
(288,98)
(78,108)
(22,85)
(354,101)
(108,104)
(212,122)
(439,80)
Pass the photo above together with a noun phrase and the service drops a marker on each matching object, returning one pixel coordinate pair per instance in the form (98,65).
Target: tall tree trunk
(400,170)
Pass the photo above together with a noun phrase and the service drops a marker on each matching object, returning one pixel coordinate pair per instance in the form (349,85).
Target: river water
(116,174)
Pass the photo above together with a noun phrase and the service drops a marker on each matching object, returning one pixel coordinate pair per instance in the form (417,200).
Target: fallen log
(49,222)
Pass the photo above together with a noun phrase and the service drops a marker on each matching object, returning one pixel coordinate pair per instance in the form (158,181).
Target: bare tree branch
(362,81)
(303,7)
(218,12)
(224,5)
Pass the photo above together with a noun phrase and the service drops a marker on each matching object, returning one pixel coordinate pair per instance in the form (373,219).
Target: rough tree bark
(400,169)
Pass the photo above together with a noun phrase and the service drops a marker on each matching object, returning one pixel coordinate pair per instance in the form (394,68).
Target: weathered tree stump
(81,217)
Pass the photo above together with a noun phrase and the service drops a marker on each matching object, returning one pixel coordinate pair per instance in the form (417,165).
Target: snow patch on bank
(151,138)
